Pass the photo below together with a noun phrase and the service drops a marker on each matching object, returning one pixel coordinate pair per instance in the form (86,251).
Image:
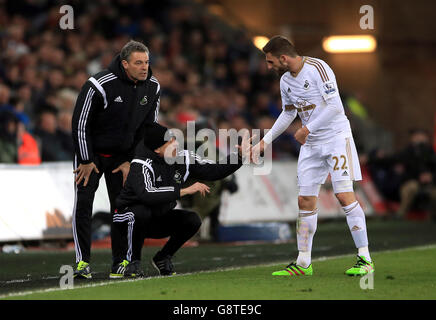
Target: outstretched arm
(282,123)
(208,170)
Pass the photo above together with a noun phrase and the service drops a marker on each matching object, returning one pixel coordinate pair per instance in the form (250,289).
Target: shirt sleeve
(154,115)
(142,182)
(282,123)
(326,83)
(88,101)
(204,169)
(325,80)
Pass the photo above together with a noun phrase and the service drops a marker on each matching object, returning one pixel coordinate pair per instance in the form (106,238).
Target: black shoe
(134,270)
(118,270)
(163,265)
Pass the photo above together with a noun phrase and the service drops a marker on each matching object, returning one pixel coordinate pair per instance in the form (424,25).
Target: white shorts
(338,157)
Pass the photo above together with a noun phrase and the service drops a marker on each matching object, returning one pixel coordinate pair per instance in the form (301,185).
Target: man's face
(137,65)
(275,64)
(419,138)
(48,122)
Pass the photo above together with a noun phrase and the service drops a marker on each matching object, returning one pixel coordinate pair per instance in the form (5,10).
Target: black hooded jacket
(111,111)
(156,184)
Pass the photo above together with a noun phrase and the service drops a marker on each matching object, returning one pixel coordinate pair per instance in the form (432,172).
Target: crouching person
(145,207)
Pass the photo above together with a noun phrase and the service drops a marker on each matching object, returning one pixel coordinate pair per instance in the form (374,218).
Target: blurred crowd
(407,177)
(207,74)
(204,72)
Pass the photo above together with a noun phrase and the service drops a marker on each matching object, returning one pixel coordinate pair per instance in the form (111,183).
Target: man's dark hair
(279,45)
(130,47)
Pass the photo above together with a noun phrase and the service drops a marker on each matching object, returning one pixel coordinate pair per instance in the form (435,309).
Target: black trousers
(84,199)
(134,224)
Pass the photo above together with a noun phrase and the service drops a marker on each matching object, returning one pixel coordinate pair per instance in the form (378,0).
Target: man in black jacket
(145,207)
(108,122)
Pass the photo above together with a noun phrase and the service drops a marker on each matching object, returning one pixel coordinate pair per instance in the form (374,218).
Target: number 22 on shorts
(343,159)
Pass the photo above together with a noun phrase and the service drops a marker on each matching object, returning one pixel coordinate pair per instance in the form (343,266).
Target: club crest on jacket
(143,101)
(178,177)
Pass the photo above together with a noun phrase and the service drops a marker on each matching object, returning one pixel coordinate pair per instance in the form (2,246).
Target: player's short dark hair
(279,45)
(130,47)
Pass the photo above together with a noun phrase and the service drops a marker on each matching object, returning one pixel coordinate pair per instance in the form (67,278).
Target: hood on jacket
(117,68)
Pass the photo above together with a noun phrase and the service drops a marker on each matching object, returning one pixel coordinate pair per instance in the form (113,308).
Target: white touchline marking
(104,283)
(17,281)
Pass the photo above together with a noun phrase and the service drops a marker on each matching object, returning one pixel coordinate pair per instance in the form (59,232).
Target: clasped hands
(255,151)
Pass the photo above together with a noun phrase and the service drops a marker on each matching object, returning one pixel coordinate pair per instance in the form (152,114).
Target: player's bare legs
(307,203)
(346,198)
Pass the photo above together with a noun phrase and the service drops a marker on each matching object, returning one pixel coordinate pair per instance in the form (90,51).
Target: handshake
(248,151)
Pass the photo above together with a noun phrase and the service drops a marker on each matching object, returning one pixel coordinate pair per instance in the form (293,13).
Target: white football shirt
(307,93)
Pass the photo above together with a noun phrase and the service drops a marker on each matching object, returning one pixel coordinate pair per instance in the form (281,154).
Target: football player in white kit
(308,87)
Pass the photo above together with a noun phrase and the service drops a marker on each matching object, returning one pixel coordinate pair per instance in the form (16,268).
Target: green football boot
(83,271)
(294,270)
(361,268)
(118,270)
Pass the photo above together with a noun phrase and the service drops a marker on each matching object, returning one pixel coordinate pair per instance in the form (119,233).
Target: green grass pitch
(402,274)
(404,254)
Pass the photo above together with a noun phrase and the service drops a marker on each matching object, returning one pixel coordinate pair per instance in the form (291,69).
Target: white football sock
(304,258)
(306,228)
(364,251)
(357,223)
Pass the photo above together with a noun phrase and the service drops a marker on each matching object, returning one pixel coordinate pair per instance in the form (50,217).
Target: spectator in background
(64,131)
(28,149)
(191,55)
(8,137)
(12,104)
(387,173)
(419,186)
(25,104)
(210,205)
(17,107)
(5,94)
(16,144)
(53,141)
